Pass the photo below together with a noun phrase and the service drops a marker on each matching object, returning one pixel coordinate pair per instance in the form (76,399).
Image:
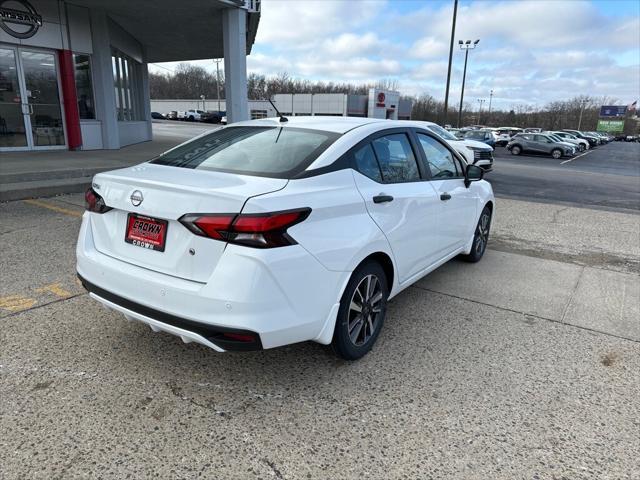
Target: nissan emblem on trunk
(136,198)
(26,16)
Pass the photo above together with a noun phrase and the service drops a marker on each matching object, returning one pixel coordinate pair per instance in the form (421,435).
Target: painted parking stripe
(576,157)
(55,208)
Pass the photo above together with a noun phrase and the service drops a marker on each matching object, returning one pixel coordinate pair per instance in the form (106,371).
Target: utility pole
(489,113)
(582,105)
(466,46)
(480,101)
(453,34)
(217,60)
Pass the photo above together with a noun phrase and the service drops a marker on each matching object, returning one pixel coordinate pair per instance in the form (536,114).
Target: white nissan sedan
(275,231)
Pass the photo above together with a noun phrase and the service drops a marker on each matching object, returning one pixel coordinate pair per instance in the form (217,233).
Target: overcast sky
(529,51)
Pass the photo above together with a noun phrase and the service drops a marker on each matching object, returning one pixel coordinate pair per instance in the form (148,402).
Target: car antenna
(283,119)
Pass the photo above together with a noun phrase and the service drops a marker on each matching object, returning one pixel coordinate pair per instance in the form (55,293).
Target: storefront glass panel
(12,122)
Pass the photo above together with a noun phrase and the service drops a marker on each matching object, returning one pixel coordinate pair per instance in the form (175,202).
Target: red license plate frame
(146,232)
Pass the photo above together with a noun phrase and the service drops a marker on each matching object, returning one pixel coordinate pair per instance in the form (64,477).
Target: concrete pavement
(524,365)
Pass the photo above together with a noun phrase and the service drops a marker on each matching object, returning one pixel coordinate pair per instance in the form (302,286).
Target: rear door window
(396,158)
(280,152)
(366,163)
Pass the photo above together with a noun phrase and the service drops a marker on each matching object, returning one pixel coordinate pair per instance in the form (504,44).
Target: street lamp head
(476,42)
(468,42)
(460,42)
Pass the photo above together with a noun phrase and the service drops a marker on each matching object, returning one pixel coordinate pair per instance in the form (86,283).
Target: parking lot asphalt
(525,365)
(606,177)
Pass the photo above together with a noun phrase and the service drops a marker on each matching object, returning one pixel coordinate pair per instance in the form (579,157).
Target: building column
(70,99)
(103,80)
(146,97)
(234,37)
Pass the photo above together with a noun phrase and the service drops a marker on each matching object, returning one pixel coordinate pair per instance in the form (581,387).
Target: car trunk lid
(165,194)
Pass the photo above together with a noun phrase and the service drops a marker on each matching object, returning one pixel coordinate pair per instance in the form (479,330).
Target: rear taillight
(259,230)
(94,202)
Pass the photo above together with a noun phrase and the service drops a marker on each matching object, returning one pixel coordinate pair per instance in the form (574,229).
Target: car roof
(333,124)
(327,124)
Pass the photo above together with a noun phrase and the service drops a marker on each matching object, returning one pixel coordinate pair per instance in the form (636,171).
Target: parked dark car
(593,141)
(211,117)
(157,116)
(484,136)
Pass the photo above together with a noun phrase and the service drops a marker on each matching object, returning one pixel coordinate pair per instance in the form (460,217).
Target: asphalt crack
(273,468)
(527,314)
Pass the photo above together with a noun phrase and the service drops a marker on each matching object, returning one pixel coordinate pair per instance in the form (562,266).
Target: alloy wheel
(482,233)
(365,310)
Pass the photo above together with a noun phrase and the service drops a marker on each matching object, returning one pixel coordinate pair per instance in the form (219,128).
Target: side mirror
(472,174)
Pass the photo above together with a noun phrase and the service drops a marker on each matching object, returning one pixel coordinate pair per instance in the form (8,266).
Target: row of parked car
(208,116)
(558,144)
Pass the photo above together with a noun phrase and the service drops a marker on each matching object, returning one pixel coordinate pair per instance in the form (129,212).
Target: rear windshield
(280,152)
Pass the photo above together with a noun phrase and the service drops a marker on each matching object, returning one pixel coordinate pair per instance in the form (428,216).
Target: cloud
(529,51)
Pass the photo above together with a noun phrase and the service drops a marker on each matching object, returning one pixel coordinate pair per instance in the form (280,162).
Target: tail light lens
(259,230)
(94,202)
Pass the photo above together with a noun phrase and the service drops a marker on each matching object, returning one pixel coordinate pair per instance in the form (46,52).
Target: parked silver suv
(540,143)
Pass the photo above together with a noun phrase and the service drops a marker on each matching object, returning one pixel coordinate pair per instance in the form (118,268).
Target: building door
(30,108)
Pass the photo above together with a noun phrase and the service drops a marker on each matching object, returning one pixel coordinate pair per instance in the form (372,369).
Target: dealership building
(377,104)
(73,74)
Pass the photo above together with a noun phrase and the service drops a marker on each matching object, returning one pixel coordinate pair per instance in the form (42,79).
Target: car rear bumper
(281,295)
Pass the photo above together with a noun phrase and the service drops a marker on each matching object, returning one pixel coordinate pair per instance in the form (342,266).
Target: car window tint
(396,158)
(279,152)
(439,158)
(366,163)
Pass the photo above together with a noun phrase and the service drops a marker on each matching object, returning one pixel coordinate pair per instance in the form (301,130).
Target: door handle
(382,198)
(445,196)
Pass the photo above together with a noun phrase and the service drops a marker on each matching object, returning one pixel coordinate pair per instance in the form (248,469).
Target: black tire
(480,237)
(191,119)
(352,339)
(556,153)
(581,147)
(516,150)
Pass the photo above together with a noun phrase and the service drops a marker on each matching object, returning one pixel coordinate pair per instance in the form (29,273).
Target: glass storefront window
(84,86)
(126,84)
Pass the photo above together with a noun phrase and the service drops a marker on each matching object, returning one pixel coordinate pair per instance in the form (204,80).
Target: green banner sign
(611,126)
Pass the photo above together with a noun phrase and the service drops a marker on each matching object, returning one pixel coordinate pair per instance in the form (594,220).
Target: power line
(166,68)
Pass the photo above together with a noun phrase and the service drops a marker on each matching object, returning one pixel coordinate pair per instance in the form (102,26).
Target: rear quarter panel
(339,231)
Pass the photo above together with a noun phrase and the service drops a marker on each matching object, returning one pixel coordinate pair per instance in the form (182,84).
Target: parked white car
(504,135)
(473,151)
(191,115)
(266,233)
(568,137)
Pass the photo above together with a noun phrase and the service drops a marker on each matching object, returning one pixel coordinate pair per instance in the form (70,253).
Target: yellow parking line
(16,303)
(56,289)
(55,208)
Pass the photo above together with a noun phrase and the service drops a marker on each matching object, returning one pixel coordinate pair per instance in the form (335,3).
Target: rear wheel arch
(489,205)
(385,262)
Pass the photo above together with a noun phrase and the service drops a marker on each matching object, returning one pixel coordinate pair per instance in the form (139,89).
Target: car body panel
(286,294)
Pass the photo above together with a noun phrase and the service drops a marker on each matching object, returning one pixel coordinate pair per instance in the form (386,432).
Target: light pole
(217,60)
(480,101)
(466,46)
(453,34)
(204,105)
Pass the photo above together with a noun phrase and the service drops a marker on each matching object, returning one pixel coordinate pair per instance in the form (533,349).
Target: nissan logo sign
(21,21)
(136,198)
